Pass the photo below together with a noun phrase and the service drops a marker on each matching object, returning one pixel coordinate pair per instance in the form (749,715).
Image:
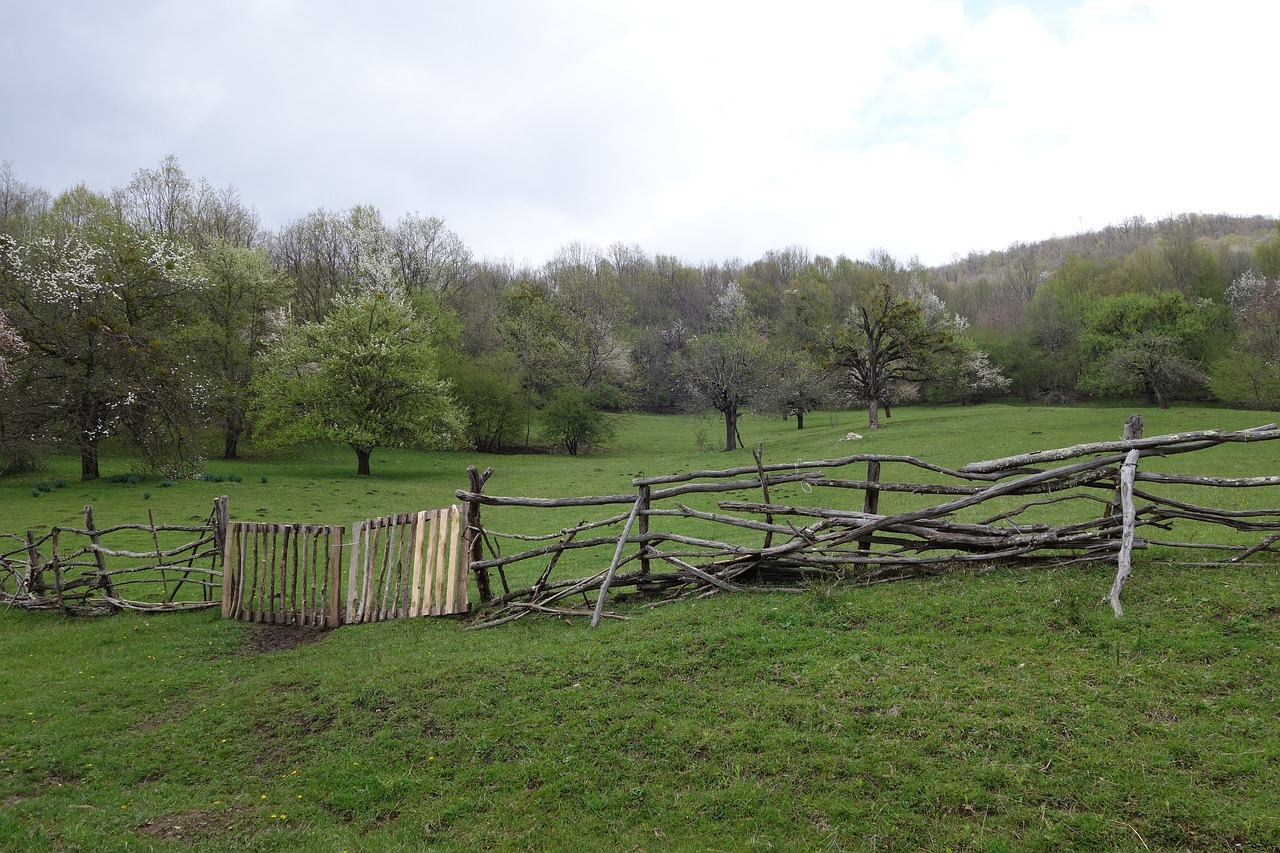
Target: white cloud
(705,129)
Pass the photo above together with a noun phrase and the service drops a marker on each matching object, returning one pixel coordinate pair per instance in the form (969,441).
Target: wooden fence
(283,574)
(767,544)
(93,570)
(407,566)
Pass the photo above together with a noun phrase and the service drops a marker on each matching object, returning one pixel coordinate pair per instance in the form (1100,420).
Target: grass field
(991,710)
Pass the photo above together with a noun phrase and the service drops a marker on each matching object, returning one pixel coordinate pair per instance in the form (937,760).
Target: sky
(706,130)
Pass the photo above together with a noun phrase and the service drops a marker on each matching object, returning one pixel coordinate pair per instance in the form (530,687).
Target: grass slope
(994,710)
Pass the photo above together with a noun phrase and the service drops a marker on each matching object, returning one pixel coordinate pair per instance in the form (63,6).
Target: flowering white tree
(365,376)
(99,306)
(11,344)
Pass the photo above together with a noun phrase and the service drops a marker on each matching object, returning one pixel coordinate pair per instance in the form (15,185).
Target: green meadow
(989,709)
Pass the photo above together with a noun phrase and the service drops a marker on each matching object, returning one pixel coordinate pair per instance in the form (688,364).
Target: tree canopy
(365,376)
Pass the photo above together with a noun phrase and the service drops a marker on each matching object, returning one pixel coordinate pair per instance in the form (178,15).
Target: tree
(798,386)
(98,305)
(725,371)
(889,338)
(365,376)
(1250,376)
(573,420)
(488,389)
(1143,343)
(231,330)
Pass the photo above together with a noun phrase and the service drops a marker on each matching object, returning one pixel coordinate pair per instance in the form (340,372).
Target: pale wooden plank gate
(282,574)
(407,566)
(401,566)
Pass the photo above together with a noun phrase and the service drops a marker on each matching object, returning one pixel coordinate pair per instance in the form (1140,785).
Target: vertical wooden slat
(419,534)
(353,580)
(441,540)
(368,587)
(333,576)
(303,549)
(229,570)
(451,597)
(403,565)
(429,564)
(462,565)
(297,532)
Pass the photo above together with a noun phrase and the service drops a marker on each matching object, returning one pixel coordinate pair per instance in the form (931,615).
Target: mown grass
(990,710)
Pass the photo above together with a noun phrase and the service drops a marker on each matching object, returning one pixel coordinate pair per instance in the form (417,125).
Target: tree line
(163,311)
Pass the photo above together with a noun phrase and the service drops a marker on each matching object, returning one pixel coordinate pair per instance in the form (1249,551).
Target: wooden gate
(283,574)
(400,566)
(407,565)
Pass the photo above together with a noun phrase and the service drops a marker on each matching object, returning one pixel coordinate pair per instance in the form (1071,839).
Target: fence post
(870,499)
(473,533)
(645,493)
(98,556)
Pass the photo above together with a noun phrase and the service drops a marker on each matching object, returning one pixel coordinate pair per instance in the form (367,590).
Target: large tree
(1145,343)
(726,371)
(365,376)
(99,306)
(230,330)
(892,337)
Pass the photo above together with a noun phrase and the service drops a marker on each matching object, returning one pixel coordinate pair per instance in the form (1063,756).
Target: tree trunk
(231,433)
(230,444)
(799,420)
(362,460)
(873,414)
(731,428)
(89,459)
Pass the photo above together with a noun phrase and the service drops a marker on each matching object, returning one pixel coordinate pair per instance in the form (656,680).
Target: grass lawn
(997,709)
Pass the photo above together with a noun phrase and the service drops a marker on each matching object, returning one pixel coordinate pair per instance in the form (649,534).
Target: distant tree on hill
(890,338)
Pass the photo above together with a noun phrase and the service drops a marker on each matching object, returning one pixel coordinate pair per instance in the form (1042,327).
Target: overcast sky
(708,130)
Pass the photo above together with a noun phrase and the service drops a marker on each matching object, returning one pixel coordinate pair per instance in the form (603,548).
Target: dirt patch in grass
(264,639)
(192,826)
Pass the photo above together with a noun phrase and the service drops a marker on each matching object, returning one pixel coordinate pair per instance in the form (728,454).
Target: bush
(572,421)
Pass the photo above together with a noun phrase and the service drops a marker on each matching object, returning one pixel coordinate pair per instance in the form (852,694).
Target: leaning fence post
(99,557)
(35,580)
(617,558)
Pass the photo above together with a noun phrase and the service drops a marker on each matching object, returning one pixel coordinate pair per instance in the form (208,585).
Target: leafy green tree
(573,420)
(365,376)
(231,329)
(1144,343)
(488,390)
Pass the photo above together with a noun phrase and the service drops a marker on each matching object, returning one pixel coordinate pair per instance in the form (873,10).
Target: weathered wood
(1127,470)
(617,557)
(1038,457)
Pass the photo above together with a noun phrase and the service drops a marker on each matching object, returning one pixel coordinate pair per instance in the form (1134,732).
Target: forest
(164,316)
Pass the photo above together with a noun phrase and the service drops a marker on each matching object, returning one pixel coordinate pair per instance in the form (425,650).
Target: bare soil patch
(193,825)
(264,639)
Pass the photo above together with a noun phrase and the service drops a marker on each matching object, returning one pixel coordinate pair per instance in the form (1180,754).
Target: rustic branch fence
(765,545)
(656,543)
(75,570)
